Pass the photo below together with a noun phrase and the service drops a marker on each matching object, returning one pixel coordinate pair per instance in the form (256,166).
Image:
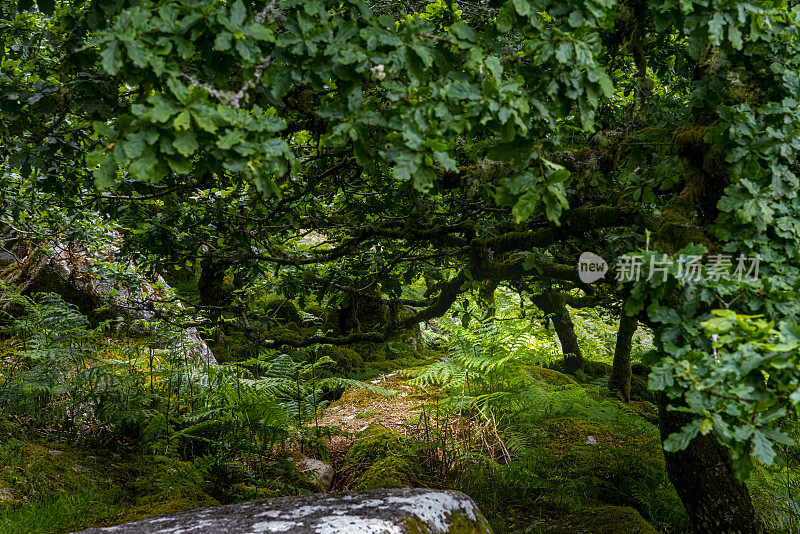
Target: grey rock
(381,511)
(321,473)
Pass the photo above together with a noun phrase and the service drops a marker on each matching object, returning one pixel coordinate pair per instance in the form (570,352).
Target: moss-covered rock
(355,397)
(375,443)
(284,334)
(609,520)
(345,357)
(459,524)
(400,510)
(389,472)
(282,309)
(119,486)
(623,467)
(573,431)
(550,376)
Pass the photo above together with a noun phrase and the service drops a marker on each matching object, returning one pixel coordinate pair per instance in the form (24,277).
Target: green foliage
(729,389)
(344,150)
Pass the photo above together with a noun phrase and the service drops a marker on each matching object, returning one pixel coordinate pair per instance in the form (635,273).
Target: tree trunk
(553,306)
(620,381)
(703,477)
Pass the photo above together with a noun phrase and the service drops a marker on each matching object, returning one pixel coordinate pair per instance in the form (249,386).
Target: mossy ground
(53,487)
(50,487)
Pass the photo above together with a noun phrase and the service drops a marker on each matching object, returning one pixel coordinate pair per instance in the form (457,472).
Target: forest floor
(580,461)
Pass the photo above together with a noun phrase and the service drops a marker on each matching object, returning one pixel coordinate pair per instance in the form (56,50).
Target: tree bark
(553,306)
(620,381)
(703,477)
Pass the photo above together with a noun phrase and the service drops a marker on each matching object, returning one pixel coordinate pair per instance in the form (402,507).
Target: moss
(375,443)
(625,468)
(459,524)
(550,376)
(316,310)
(284,334)
(345,358)
(161,473)
(389,472)
(32,470)
(596,369)
(646,409)
(36,474)
(358,397)
(282,309)
(614,520)
(167,502)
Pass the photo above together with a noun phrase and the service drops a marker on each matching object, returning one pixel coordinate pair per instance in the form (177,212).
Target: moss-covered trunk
(553,306)
(703,477)
(620,381)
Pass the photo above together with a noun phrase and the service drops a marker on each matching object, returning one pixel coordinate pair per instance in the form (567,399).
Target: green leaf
(522,7)
(178,89)
(715,28)
(138,55)
(180,165)
(230,138)
(564,52)
(680,440)
(106,174)
(185,143)
(494,66)
(162,108)
(762,448)
(735,36)
(423,53)
(183,121)
(558,176)
(261,33)
(133,145)
(605,84)
(525,206)
(238,14)
(660,377)
(222,42)
(505,20)
(204,120)
(575,19)
(463,32)
(111,58)
(95,157)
